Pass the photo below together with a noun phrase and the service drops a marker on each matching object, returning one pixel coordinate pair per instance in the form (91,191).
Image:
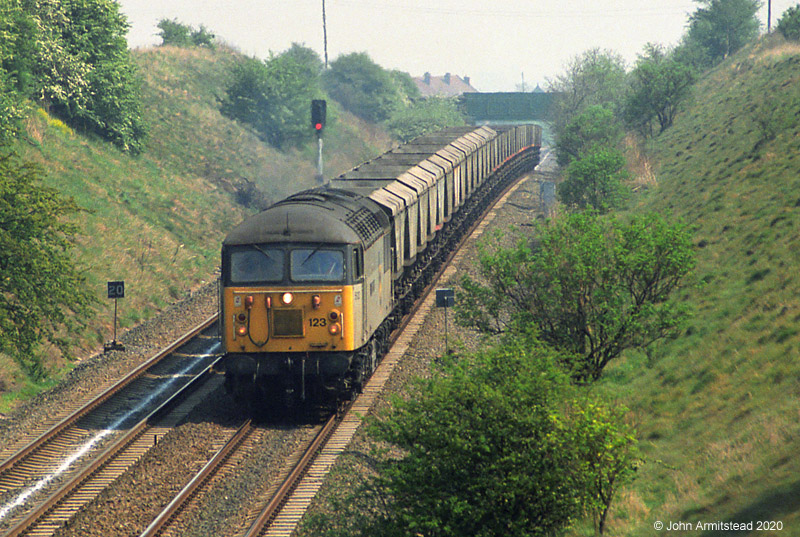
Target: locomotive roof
(327,215)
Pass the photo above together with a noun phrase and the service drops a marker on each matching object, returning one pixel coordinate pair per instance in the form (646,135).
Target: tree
(595,181)
(595,126)
(12,108)
(592,286)
(477,451)
(72,58)
(594,77)
(362,87)
(722,27)
(408,88)
(493,444)
(789,23)
(273,97)
(607,454)
(174,33)
(424,116)
(42,295)
(308,59)
(659,84)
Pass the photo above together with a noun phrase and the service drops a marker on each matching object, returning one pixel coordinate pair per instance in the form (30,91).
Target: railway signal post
(445,298)
(318,113)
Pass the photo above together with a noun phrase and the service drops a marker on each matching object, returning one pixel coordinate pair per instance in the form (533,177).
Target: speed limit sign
(116,289)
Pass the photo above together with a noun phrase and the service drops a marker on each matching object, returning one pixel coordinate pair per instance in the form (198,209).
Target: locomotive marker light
(445,298)
(116,290)
(318,112)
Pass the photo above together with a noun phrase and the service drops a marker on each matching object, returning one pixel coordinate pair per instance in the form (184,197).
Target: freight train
(312,287)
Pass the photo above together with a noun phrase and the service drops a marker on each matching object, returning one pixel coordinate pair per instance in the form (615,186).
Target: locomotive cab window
(358,263)
(316,265)
(256,264)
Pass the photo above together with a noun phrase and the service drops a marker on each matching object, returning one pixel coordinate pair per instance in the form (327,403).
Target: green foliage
(607,452)
(594,77)
(12,109)
(722,27)
(424,116)
(595,126)
(274,96)
(595,181)
(363,87)
(72,57)
(408,88)
(174,33)
(659,84)
(592,286)
(17,45)
(789,23)
(308,59)
(495,444)
(42,295)
(177,34)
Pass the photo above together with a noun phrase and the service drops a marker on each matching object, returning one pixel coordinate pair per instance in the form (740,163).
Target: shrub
(789,23)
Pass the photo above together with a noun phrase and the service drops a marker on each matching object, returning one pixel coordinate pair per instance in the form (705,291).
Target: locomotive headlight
(287,298)
(241,330)
(241,318)
(334,315)
(334,329)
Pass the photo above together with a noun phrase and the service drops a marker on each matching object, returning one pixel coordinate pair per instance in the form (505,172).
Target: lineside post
(445,298)
(116,290)
(318,113)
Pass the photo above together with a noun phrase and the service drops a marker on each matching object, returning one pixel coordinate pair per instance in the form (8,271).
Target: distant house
(443,86)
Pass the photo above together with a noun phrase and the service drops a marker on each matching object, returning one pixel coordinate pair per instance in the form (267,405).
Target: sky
(499,44)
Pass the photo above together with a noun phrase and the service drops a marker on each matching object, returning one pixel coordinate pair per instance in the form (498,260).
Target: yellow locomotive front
(310,312)
(294,318)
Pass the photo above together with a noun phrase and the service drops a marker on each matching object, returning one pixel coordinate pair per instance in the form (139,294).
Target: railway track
(280,513)
(44,483)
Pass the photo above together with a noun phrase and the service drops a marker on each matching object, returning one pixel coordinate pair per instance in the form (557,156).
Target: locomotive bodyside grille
(287,323)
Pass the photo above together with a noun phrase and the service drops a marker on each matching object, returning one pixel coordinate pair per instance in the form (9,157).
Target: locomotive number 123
(318,321)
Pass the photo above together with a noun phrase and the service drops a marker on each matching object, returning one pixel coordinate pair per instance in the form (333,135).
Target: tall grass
(157,220)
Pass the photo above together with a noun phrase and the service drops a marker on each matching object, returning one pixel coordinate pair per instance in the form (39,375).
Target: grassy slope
(718,409)
(158,219)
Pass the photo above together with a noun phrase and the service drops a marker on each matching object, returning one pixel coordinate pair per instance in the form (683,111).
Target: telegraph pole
(324,34)
(769,16)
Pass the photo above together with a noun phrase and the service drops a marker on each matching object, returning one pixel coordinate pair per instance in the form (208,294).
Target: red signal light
(318,126)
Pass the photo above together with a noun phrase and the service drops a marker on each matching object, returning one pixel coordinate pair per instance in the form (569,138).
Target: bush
(595,181)
(424,116)
(273,97)
(73,59)
(363,87)
(182,35)
(789,23)
(42,294)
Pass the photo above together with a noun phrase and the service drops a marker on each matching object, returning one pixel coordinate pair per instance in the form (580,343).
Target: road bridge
(510,107)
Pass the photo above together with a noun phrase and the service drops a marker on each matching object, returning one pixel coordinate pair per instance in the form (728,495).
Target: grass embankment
(157,220)
(717,410)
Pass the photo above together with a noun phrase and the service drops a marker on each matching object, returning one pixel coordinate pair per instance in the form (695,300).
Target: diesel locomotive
(312,287)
